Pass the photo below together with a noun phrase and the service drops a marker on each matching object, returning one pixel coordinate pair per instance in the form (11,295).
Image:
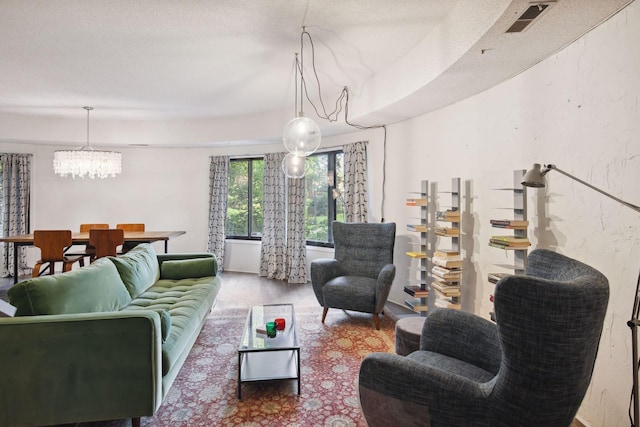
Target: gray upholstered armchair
(360,276)
(531,368)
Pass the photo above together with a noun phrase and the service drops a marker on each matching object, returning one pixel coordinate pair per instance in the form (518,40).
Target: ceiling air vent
(533,12)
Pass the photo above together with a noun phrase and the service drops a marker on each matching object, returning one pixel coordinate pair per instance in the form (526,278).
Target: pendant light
(85,161)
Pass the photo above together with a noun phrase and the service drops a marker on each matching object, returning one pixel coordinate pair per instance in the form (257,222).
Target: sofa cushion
(188,268)
(188,302)
(96,287)
(138,268)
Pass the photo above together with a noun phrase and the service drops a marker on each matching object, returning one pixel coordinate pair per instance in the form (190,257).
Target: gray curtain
(218,191)
(283,255)
(296,238)
(355,182)
(16,189)
(273,252)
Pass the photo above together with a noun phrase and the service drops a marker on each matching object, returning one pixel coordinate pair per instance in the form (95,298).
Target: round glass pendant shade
(293,165)
(301,136)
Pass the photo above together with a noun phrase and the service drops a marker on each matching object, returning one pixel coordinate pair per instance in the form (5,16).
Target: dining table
(82,238)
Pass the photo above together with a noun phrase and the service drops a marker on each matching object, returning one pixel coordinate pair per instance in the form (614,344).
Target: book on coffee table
(6,309)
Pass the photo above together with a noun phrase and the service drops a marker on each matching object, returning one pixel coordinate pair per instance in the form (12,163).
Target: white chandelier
(86,161)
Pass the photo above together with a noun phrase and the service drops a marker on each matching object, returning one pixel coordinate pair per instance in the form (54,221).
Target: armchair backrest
(549,324)
(363,249)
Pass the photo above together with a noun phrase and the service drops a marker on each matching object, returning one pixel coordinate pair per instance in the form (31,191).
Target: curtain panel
(355,182)
(283,254)
(273,252)
(218,192)
(16,194)
(296,236)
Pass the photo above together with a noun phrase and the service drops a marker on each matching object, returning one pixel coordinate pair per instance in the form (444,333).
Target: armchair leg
(376,321)
(324,313)
(135,422)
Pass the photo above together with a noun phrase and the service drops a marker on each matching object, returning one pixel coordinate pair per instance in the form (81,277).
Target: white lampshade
(301,136)
(92,163)
(293,165)
(534,177)
(86,161)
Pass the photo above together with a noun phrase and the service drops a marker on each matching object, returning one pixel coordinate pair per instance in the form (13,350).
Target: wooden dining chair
(130,227)
(105,241)
(52,245)
(88,250)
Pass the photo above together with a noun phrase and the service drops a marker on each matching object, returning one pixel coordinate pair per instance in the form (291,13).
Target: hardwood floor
(245,289)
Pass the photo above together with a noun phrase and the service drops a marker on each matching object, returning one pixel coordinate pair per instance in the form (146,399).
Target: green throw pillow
(188,268)
(94,288)
(138,268)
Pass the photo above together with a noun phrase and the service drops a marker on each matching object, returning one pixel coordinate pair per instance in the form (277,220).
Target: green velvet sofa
(105,341)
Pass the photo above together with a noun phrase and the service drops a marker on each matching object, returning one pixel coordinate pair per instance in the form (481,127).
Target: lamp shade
(301,136)
(293,165)
(534,178)
(87,162)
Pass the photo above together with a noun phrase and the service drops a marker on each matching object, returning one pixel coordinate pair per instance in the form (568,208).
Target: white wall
(579,109)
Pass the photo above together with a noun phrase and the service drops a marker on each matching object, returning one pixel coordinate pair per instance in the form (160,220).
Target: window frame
(331,202)
(249,235)
(332,178)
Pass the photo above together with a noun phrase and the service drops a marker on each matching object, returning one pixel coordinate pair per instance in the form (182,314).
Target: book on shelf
(447,303)
(509,241)
(446,289)
(445,253)
(417,202)
(445,273)
(451,215)
(505,246)
(416,304)
(448,262)
(447,231)
(495,277)
(509,223)
(422,228)
(416,291)
(417,255)
(510,227)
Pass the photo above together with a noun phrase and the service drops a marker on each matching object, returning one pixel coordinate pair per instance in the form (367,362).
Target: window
(324,172)
(244,202)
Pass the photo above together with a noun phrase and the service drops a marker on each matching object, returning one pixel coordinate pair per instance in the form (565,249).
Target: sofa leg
(135,422)
(376,321)
(324,313)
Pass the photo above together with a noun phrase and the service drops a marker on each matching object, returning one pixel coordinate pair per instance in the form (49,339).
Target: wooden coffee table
(261,358)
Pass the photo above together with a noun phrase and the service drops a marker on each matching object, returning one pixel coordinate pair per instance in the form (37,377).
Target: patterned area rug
(204,394)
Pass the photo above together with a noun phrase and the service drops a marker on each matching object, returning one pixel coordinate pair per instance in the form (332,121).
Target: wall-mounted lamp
(535,178)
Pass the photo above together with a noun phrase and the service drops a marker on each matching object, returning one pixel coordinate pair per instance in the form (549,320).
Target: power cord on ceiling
(338,106)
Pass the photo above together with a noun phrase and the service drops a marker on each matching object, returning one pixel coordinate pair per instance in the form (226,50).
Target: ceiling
(195,72)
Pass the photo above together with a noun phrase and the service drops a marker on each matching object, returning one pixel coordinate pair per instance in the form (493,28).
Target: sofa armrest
(323,270)
(396,390)
(383,286)
(61,369)
(463,336)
